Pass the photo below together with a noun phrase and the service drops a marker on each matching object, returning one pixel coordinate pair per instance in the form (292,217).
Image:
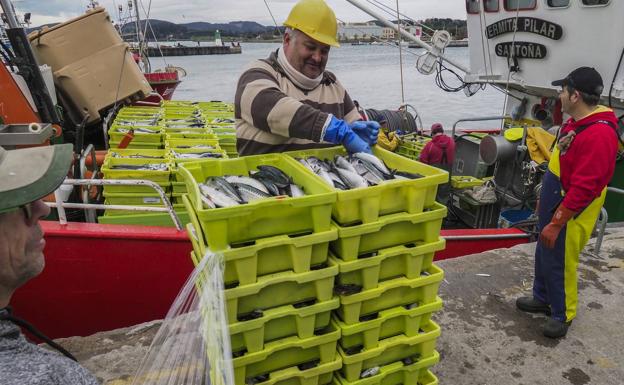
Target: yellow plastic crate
(286,353)
(262,218)
(390,350)
(399,261)
(117,136)
(366,205)
(318,375)
(389,230)
(153,175)
(366,335)
(270,291)
(465,181)
(298,253)
(135,144)
(396,292)
(398,373)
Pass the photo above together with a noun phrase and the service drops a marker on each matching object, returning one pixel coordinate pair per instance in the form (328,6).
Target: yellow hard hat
(315,19)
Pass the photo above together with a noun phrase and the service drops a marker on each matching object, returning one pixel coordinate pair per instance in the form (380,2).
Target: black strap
(7,314)
(583,127)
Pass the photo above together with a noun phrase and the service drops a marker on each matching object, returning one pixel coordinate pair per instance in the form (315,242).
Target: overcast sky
(186,11)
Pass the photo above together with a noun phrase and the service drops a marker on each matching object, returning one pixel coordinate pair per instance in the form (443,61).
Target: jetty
(485,339)
(180,50)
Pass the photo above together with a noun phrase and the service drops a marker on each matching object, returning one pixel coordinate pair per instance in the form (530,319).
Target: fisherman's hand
(550,233)
(367,130)
(353,143)
(339,132)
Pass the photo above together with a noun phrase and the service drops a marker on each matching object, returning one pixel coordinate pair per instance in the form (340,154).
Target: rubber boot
(531,305)
(556,329)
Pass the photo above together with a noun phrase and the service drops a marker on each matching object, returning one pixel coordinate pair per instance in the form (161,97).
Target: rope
(401,121)
(7,314)
(272,17)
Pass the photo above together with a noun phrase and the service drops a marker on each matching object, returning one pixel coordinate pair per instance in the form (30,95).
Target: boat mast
(435,52)
(140,36)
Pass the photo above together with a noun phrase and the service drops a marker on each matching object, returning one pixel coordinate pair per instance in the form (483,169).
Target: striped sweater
(274,115)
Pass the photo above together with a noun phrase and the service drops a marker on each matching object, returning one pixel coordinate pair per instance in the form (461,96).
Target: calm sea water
(370,73)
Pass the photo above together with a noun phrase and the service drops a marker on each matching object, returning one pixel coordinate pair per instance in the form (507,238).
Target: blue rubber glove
(339,132)
(367,130)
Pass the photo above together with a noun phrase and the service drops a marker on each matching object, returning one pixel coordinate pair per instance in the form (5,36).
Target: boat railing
(603,218)
(61,205)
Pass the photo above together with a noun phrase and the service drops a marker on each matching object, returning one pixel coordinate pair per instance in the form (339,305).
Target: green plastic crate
(392,322)
(280,289)
(399,261)
(117,136)
(114,144)
(142,218)
(287,353)
(153,175)
(389,230)
(157,155)
(195,151)
(391,350)
(189,143)
(134,199)
(178,187)
(366,205)
(278,323)
(318,375)
(179,129)
(398,373)
(264,256)
(194,136)
(262,218)
(396,292)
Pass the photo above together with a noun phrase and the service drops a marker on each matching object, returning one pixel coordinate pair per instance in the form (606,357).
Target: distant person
(573,192)
(27,175)
(440,151)
(290,102)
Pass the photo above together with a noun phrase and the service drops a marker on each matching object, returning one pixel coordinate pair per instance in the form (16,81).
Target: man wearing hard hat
(289,102)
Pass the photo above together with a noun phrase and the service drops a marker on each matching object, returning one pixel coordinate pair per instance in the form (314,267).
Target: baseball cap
(584,79)
(29,174)
(436,127)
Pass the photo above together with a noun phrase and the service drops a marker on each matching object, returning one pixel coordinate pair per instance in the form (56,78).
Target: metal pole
(489,236)
(602,221)
(406,34)
(9,13)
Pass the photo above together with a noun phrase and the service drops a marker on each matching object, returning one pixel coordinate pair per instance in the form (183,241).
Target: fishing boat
(163,81)
(520,57)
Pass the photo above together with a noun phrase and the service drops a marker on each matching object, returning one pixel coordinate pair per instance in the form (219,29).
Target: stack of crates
(387,237)
(186,134)
(278,276)
(220,120)
(411,145)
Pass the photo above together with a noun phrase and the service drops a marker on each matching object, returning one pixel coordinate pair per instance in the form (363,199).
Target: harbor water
(370,73)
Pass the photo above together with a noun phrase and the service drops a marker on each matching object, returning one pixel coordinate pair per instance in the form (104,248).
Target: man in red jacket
(573,192)
(440,151)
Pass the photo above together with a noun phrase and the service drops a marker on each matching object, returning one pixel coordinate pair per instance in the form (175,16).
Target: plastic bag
(192,347)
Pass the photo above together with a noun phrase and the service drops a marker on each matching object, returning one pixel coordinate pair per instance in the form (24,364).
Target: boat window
(472,6)
(595,2)
(558,3)
(490,5)
(514,5)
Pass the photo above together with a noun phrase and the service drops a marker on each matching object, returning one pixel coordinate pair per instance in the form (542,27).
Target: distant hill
(247,30)
(165,30)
